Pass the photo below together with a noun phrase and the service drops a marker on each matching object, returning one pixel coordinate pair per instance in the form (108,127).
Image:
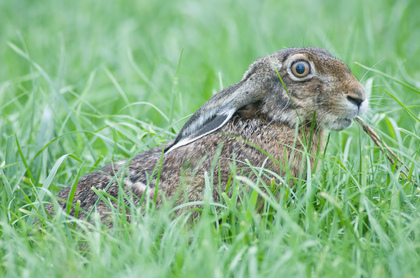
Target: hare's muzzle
(357,100)
(350,104)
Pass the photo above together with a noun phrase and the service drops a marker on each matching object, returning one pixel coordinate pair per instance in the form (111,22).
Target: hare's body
(182,170)
(254,122)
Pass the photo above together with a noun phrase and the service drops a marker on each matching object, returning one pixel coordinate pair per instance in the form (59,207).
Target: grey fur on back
(255,113)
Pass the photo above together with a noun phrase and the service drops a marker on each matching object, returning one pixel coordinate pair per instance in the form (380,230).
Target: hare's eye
(300,68)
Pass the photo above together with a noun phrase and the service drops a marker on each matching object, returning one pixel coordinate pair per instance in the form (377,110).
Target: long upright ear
(217,111)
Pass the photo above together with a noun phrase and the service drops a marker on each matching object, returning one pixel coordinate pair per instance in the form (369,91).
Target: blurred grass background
(100,80)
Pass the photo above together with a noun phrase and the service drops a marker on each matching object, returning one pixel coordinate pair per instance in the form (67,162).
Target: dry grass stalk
(383,147)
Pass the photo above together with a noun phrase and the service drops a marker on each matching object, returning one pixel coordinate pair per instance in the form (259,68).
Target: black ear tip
(210,126)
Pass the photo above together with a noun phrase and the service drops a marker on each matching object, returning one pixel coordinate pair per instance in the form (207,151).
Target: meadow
(85,83)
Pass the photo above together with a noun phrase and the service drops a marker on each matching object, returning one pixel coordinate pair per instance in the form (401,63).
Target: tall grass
(84,83)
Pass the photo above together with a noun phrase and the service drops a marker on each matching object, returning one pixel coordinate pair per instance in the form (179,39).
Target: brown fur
(262,117)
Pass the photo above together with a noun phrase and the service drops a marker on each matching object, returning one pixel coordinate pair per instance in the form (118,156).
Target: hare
(265,117)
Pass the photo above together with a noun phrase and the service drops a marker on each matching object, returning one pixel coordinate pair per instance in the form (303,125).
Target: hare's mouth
(350,112)
(339,124)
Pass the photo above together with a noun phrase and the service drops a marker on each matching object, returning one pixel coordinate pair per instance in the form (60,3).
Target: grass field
(84,83)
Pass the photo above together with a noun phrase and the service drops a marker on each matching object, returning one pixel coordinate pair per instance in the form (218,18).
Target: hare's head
(318,86)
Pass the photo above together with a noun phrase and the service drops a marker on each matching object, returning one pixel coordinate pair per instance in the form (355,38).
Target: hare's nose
(357,95)
(355,100)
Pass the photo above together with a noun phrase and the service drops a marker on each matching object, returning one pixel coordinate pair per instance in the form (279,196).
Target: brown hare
(251,120)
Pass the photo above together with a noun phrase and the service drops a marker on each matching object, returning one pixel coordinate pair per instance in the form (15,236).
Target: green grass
(84,83)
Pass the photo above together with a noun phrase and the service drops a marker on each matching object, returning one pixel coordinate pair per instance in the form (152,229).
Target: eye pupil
(300,68)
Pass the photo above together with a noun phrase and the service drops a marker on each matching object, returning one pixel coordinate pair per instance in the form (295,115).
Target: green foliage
(84,83)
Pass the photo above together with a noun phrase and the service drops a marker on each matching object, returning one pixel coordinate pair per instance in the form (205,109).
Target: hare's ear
(218,110)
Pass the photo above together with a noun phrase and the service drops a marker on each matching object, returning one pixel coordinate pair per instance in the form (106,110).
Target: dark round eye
(300,68)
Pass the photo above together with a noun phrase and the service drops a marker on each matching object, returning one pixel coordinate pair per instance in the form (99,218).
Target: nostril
(356,101)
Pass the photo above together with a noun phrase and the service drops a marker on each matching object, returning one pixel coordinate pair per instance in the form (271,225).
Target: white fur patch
(120,163)
(135,186)
(139,186)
